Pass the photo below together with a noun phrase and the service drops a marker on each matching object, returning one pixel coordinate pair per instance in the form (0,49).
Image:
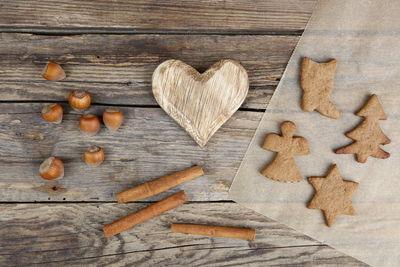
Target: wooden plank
(164,15)
(71,235)
(149,144)
(119,70)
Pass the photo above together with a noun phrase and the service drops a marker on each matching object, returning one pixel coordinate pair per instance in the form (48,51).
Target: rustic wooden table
(110,48)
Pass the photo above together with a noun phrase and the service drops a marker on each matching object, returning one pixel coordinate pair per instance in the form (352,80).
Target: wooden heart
(200,103)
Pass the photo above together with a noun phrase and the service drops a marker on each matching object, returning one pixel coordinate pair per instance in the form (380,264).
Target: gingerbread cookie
(332,195)
(368,135)
(317,81)
(283,168)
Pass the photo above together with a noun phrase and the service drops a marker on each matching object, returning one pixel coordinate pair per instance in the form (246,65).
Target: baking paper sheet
(364,37)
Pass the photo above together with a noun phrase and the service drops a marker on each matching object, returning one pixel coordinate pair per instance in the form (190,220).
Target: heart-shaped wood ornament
(200,102)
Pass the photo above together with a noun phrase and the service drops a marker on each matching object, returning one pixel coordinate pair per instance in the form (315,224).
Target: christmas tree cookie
(368,136)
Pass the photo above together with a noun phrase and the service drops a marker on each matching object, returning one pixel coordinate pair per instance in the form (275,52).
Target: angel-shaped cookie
(283,168)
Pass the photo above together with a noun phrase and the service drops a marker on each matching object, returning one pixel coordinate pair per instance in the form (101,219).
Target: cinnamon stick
(145,214)
(211,230)
(159,185)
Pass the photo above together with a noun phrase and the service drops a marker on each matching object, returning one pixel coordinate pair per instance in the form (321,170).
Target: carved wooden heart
(200,103)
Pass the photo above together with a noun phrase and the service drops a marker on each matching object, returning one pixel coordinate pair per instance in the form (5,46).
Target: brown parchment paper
(364,36)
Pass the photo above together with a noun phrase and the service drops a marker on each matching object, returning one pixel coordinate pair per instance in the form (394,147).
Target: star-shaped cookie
(332,195)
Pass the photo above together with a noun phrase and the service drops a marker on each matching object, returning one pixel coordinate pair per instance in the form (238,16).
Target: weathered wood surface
(149,16)
(119,70)
(71,235)
(148,144)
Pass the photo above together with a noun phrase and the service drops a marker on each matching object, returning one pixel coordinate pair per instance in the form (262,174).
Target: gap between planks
(106,104)
(80,31)
(107,202)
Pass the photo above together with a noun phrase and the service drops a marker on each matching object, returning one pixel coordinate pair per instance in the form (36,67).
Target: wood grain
(149,144)
(70,235)
(119,71)
(152,16)
(200,103)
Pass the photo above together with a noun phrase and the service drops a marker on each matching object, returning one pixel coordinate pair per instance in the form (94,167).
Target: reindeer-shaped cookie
(283,168)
